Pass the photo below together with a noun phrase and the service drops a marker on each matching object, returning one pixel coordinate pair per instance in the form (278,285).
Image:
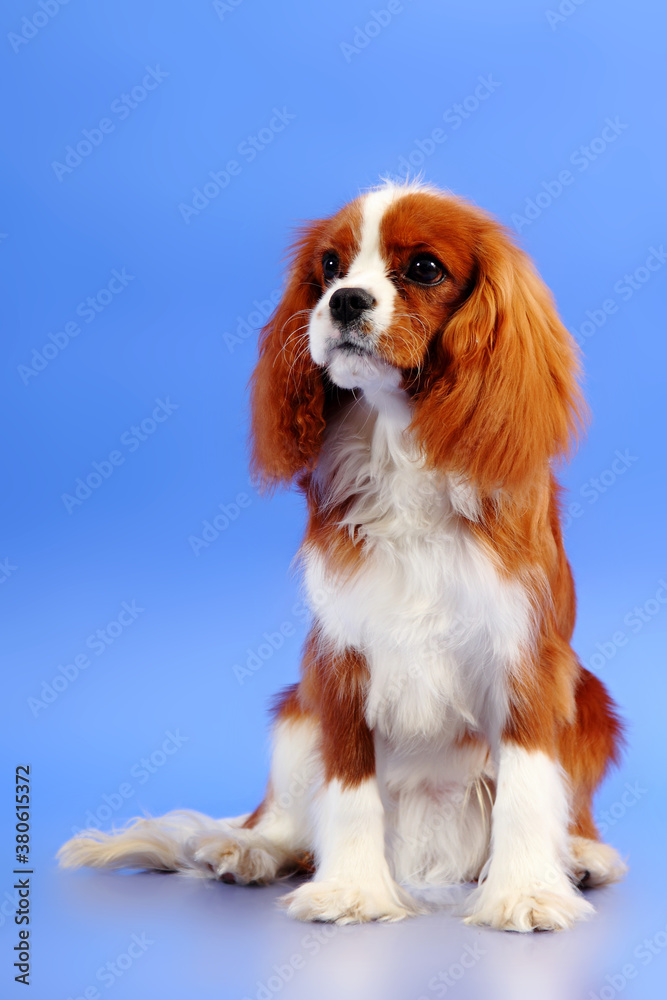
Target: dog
(418,386)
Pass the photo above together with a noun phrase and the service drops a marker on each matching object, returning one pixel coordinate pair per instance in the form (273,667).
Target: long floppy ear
(502,398)
(287,392)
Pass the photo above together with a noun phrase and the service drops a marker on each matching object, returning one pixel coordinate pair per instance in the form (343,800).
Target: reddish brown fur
(334,688)
(499,398)
(342,548)
(289,398)
(589,747)
(493,374)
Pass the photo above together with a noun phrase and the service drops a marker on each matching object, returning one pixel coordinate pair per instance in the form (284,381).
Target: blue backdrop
(156,157)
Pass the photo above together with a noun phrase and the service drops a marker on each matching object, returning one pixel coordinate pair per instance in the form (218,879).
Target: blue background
(178,331)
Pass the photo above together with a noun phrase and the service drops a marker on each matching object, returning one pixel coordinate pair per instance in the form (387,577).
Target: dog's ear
(287,391)
(501,398)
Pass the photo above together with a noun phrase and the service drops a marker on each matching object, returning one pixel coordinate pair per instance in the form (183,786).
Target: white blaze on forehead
(369,268)
(373,208)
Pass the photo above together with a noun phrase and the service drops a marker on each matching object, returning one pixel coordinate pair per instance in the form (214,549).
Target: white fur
(593,863)
(438,802)
(526,883)
(440,629)
(353,882)
(295,771)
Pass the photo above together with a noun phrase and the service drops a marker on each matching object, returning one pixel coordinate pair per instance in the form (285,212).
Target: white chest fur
(439,627)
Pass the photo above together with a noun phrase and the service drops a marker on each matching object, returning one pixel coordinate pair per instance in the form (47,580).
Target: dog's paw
(595,864)
(528,909)
(232,860)
(342,903)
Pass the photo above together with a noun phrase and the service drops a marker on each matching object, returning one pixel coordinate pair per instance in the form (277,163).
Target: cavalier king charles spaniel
(417,384)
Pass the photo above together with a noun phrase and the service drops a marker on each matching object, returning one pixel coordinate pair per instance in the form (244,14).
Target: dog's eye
(425,270)
(330,266)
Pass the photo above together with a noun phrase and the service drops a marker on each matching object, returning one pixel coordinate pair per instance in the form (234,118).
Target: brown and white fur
(443,729)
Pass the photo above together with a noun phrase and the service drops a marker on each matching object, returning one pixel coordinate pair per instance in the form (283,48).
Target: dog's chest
(425,603)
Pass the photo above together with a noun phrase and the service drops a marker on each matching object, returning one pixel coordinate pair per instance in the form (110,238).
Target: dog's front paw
(347,903)
(528,909)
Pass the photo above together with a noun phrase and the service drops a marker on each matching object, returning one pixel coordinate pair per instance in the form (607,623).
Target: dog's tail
(167,843)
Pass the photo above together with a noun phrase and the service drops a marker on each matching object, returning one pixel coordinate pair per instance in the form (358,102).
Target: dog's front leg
(526,883)
(352,881)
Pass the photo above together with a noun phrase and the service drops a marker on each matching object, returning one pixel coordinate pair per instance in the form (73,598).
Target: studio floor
(151,935)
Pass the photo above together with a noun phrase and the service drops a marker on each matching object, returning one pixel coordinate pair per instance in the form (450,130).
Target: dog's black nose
(347,304)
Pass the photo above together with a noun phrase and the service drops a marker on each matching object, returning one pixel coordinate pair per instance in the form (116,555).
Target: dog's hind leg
(276,838)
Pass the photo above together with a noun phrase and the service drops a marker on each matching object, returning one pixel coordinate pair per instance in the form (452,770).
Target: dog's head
(409,289)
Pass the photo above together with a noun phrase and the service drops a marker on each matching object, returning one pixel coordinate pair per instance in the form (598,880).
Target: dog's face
(391,271)
(410,289)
